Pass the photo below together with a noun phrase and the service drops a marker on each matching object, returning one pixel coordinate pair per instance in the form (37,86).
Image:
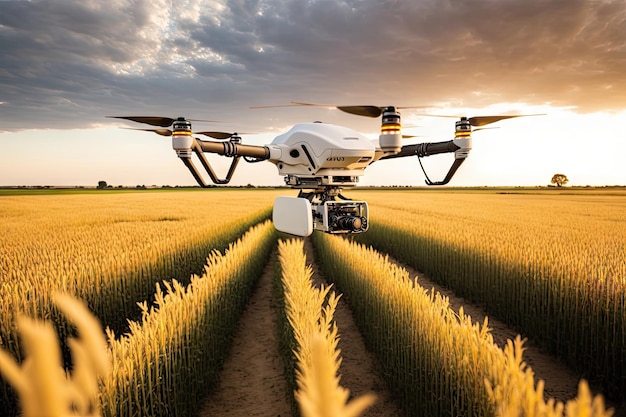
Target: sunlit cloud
(473,54)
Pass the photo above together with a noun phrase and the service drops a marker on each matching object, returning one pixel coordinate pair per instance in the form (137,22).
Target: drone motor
(462,128)
(390,140)
(182,139)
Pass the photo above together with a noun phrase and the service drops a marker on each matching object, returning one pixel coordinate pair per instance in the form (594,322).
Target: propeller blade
(296,104)
(413,136)
(302,103)
(216,135)
(158,120)
(485,120)
(486,128)
(151,120)
(367,111)
(221,135)
(279,105)
(363,110)
(162,132)
(480,120)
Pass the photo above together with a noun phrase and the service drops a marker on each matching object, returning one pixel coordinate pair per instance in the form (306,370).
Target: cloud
(68,63)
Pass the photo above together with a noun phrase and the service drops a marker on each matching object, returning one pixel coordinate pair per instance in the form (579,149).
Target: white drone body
(319,159)
(321,154)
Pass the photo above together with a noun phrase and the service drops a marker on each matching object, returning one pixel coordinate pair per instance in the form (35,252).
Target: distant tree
(559,180)
(102,185)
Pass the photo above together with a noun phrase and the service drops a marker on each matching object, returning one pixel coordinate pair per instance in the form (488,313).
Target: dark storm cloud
(67,63)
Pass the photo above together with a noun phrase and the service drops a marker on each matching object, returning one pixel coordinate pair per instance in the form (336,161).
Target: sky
(65,65)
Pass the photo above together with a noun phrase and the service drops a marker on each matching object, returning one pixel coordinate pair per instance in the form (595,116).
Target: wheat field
(167,275)
(551,264)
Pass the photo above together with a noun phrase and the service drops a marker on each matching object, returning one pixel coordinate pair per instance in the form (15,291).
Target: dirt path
(253,382)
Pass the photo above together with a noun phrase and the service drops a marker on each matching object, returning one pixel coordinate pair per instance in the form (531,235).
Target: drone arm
(229,148)
(425,149)
(460,147)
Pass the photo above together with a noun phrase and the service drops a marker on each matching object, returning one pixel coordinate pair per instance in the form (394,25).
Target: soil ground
(253,383)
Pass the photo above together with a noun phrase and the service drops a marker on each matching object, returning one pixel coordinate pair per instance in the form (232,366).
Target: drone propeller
(214,135)
(367,110)
(162,132)
(158,121)
(413,136)
(482,120)
(221,135)
(168,121)
(486,128)
(364,110)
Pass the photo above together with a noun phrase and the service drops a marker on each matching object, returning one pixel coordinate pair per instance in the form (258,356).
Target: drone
(318,159)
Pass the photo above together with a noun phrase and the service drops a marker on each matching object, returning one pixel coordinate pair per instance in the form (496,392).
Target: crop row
(436,361)
(309,330)
(170,358)
(553,266)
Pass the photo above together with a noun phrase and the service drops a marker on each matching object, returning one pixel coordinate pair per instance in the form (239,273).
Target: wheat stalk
(43,386)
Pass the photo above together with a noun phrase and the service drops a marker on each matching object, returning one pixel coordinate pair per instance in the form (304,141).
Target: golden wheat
(172,356)
(437,361)
(310,313)
(109,249)
(112,250)
(43,386)
(554,265)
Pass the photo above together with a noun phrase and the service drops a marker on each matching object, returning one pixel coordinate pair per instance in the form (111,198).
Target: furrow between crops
(252,380)
(550,265)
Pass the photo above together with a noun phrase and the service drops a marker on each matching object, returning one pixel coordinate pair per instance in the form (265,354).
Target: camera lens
(350,223)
